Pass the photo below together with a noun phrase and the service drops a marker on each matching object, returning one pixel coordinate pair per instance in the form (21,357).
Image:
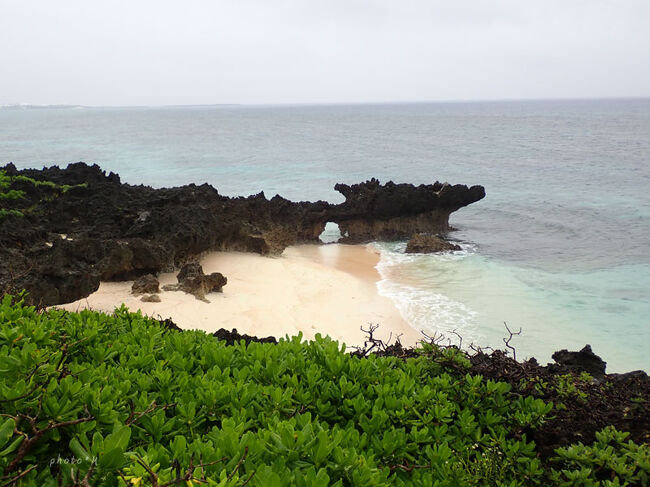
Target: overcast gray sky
(157,52)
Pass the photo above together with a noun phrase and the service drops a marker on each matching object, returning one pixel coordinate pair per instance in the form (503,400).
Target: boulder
(190,270)
(150,298)
(147,284)
(583,361)
(426,244)
(192,280)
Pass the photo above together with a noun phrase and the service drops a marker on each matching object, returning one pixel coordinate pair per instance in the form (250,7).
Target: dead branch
(241,460)
(15,479)
(29,442)
(134,418)
(460,338)
(507,340)
(433,340)
(407,467)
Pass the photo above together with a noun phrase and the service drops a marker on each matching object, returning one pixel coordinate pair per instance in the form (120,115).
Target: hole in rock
(331,233)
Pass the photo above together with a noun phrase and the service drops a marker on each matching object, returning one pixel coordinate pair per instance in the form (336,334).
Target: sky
(159,52)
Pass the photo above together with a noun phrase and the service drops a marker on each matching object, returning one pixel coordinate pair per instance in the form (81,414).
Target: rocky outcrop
(232,337)
(583,361)
(427,244)
(192,280)
(79,225)
(147,284)
(372,211)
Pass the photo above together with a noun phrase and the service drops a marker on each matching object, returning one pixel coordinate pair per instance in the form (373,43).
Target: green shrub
(115,400)
(609,461)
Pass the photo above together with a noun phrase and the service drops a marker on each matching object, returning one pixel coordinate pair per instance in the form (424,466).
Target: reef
(64,230)
(427,244)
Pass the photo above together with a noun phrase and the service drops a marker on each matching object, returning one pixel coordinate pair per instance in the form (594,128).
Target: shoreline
(329,289)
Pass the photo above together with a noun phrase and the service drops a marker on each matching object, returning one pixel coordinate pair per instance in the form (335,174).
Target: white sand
(327,289)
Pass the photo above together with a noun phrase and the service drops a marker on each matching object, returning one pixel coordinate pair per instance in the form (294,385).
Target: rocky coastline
(65,230)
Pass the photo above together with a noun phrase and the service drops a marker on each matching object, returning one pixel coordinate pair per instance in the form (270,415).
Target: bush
(115,400)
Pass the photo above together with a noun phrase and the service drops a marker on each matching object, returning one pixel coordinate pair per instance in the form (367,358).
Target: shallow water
(559,247)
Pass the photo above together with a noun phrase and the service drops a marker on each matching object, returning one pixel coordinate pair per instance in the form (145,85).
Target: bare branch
(460,338)
(241,460)
(18,477)
(507,340)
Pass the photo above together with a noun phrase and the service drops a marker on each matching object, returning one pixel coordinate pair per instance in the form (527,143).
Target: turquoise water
(559,247)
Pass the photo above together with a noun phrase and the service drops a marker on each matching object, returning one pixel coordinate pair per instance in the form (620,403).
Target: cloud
(250,51)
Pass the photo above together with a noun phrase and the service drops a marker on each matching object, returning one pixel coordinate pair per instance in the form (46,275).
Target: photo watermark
(59,460)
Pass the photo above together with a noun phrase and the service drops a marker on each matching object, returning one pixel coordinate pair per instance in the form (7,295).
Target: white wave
(406,282)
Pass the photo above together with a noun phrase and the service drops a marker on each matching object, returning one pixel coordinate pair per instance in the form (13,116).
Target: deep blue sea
(560,246)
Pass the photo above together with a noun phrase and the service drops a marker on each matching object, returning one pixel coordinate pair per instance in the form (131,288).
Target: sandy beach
(326,289)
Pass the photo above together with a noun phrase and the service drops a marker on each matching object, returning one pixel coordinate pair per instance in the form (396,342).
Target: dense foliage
(94,399)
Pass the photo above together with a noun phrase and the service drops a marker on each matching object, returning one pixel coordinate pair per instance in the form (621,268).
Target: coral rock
(426,244)
(150,298)
(145,285)
(119,232)
(192,280)
(583,361)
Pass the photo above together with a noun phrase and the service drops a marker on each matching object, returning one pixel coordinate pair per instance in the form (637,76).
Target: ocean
(560,246)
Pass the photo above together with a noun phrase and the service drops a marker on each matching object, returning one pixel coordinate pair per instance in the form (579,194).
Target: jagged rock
(150,298)
(147,284)
(119,232)
(396,211)
(426,244)
(56,274)
(128,259)
(231,337)
(192,280)
(583,361)
(190,270)
(170,325)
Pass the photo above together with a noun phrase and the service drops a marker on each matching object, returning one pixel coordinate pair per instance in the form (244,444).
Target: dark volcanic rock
(588,406)
(170,325)
(147,284)
(189,271)
(426,244)
(116,231)
(56,271)
(232,337)
(192,280)
(396,211)
(150,298)
(583,361)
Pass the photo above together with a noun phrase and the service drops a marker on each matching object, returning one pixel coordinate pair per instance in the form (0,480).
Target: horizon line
(314,104)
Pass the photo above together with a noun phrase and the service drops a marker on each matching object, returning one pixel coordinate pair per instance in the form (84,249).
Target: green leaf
(12,447)
(78,450)
(112,460)
(6,431)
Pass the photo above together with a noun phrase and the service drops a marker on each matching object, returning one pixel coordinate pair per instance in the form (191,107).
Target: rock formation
(232,337)
(192,280)
(73,227)
(427,244)
(147,284)
(583,361)
(396,211)
(150,298)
